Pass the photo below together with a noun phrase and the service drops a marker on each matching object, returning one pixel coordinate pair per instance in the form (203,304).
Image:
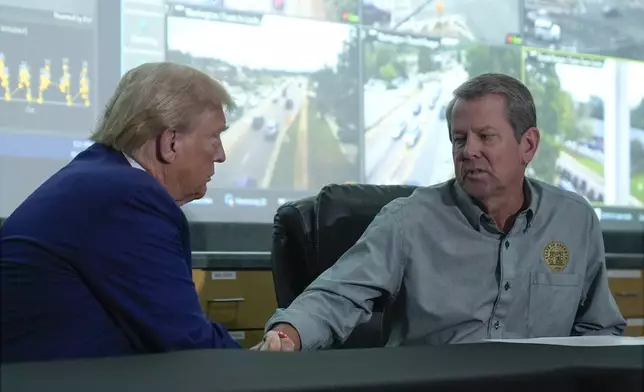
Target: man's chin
(195,196)
(201,193)
(476,189)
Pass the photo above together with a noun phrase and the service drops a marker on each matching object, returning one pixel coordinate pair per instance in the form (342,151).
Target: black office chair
(310,235)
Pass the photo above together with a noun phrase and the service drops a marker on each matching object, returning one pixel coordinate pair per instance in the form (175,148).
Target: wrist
(287,331)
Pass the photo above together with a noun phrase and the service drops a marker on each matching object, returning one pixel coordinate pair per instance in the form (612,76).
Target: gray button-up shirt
(453,277)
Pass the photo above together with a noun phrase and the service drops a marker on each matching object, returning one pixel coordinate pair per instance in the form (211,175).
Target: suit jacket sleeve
(138,271)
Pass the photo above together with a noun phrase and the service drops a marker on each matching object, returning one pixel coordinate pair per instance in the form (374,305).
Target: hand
(274,342)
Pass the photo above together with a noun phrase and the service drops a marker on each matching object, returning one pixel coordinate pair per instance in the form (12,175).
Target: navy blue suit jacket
(96,262)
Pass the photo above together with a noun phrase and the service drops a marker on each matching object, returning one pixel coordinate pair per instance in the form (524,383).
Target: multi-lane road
(253,151)
(465,19)
(378,102)
(391,160)
(588,29)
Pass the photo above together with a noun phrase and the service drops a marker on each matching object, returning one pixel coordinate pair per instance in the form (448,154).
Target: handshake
(283,337)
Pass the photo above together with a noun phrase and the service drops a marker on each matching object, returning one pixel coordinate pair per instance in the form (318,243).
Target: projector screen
(332,91)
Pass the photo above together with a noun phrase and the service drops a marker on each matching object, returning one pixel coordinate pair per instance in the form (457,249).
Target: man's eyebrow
(224,129)
(477,130)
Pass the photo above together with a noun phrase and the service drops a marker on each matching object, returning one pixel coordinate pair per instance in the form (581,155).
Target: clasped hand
(273,342)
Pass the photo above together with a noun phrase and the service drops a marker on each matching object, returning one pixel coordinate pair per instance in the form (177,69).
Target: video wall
(331,91)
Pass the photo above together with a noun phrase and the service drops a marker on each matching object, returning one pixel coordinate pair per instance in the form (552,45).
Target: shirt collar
(474,214)
(133,163)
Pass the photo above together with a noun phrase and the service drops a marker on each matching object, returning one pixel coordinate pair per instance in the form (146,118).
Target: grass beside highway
(590,163)
(284,172)
(327,163)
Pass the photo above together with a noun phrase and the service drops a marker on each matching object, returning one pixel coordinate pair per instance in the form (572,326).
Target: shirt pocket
(553,303)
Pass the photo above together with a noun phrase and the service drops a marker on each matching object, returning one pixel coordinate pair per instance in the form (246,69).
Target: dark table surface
(262,260)
(483,366)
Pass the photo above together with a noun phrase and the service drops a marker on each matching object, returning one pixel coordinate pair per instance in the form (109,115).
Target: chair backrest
(343,213)
(293,249)
(310,235)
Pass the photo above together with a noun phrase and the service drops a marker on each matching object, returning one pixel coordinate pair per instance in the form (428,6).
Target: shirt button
(507,244)
(497,324)
(507,286)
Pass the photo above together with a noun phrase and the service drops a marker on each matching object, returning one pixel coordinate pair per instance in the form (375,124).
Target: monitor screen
(332,91)
(296,125)
(607,28)
(57,63)
(590,116)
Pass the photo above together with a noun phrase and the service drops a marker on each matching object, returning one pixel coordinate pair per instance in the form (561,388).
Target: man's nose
(220,157)
(472,148)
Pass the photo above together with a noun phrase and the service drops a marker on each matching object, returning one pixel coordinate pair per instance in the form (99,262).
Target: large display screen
(408,82)
(333,91)
(489,21)
(605,27)
(588,109)
(296,126)
(56,67)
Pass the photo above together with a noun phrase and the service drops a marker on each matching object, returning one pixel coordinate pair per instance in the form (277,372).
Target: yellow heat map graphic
(25,89)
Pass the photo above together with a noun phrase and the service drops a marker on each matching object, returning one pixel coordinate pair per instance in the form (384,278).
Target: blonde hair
(154,97)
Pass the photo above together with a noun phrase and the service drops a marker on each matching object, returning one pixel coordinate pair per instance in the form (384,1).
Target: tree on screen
(337,89)
(381,62)
(637,116)
(596,107)
(555,114)
(426,61)
(637,147)
(480,59)
(388,62)
(637,157)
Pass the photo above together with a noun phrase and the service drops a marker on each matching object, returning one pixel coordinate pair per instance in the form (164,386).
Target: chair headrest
(343,214)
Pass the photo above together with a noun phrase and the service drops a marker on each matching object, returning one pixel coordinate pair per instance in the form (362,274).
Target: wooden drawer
(248,338)
(239,300)
(627,287)
(634,327)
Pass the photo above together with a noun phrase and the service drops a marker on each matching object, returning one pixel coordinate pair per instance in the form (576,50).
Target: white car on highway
(412,135)
(270,130)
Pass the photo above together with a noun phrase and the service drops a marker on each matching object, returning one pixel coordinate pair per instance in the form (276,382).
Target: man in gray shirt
(488,255)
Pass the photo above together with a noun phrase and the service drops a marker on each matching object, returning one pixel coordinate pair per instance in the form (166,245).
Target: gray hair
(521,111)
(154,97)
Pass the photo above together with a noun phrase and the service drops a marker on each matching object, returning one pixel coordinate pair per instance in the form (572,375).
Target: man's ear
(166,149)
(529,144)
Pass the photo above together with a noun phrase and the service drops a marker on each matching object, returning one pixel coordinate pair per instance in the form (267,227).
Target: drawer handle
(220,300)
(629,294)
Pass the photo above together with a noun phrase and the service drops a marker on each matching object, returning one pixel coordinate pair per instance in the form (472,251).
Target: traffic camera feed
(635,80)
(409,81)
(587,129)
(296,125)
(466,20)
(608,27)
(328,10)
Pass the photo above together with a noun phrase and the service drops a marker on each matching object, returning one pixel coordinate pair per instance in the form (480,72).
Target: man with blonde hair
(96,262)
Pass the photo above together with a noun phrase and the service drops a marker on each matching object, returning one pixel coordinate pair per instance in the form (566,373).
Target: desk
(237,261)
(468,367)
